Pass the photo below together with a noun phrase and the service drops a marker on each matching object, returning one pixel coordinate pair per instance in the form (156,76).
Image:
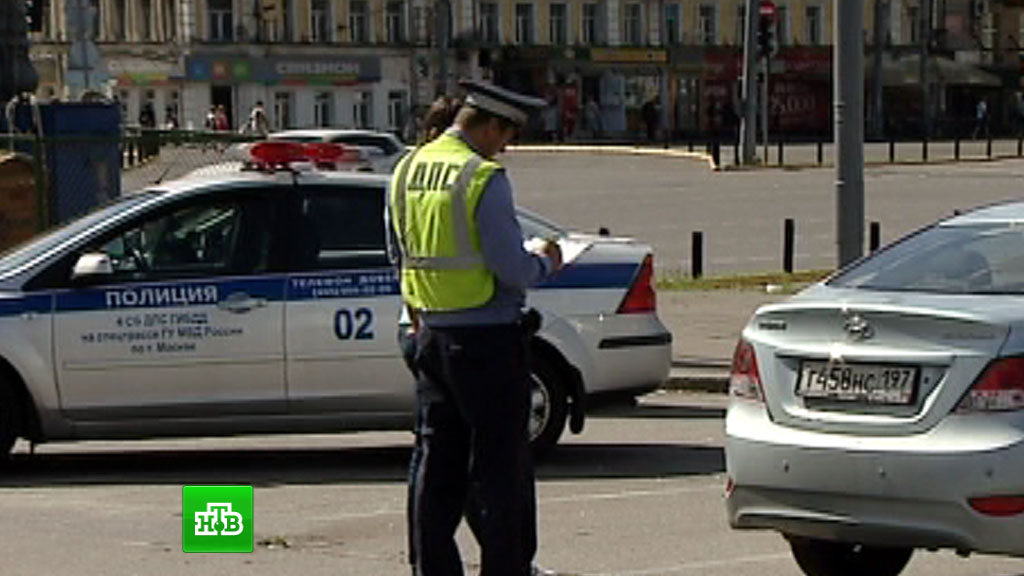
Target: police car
(383,150)
(261,300)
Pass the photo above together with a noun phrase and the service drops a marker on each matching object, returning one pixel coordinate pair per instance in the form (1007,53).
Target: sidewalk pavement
(705,326)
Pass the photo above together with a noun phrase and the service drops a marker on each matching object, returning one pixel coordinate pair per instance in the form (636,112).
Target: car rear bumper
(910,491)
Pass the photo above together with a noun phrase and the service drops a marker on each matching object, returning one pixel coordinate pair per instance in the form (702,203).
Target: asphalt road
(639,493)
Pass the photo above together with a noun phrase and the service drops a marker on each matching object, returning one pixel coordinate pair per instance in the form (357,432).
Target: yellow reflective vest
(432,202)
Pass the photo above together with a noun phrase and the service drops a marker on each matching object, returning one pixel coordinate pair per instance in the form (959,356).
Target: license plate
(867,383)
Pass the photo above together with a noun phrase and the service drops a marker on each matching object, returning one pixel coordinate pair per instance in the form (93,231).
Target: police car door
(190,323)
(343,306)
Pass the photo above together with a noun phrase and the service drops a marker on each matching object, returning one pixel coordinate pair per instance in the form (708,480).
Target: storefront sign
(284,70)
(628,55)
(142,71)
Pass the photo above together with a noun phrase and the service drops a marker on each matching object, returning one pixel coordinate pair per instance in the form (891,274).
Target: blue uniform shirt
(501,241)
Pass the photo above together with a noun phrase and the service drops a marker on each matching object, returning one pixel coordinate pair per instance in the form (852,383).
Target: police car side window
(339,229)
(227,236)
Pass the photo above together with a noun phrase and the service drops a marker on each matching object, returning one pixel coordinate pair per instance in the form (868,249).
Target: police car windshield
(33,248)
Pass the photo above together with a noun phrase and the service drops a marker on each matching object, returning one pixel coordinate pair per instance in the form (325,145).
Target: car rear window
(984,258)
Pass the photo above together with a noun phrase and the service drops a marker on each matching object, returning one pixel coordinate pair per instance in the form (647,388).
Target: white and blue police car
(238,301)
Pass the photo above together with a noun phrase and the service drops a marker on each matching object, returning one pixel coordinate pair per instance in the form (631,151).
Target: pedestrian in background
(980,119)
(257,123)
(468,289)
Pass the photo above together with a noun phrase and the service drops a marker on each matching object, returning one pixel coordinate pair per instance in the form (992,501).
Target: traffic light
(34,15)
(766,36)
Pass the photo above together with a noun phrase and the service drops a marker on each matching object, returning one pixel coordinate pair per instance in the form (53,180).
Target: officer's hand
(554,253)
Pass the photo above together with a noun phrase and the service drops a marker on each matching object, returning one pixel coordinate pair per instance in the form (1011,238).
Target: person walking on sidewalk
(453,231)
(980,119)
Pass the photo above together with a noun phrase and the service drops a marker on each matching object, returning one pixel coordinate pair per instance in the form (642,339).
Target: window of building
(120,23)
(323,110)
(358,21)
(220,21)
(146,16)
(813,25)
(170,20)
(362,107)
(673,24)
(287,17)
(590,28)
(558,24)
(741,24)
(914,20)
(283,110)
(707,24)
(320,22)
(395,22)
(524,24)
(396,110)
(782,27)
(632,24)
(96,32)
(489,26)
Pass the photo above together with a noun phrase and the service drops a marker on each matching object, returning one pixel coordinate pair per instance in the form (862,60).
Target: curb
(626,150)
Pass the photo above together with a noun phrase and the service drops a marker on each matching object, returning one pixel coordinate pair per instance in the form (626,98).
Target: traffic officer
(464,271)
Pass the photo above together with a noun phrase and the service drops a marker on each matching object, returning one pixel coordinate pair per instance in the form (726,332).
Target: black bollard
(821,153)
(875,236)
(781,160)
(956,149)
(697,255)
(924,150)
(788,241)
(988,146)
(892,151)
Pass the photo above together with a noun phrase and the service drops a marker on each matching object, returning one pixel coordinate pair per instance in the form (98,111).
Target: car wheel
(825,558)
(10,419)
(548,406)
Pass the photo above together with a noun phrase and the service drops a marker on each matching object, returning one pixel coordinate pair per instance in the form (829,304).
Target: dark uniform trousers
(473,450)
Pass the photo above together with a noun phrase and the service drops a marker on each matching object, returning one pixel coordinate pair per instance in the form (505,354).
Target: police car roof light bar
(281,155)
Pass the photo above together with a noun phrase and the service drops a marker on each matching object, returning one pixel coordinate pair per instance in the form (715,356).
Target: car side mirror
(92,265)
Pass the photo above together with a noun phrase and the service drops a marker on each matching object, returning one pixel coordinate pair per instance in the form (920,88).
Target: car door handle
(240,303)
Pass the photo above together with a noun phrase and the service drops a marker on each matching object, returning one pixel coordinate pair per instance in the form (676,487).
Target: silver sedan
(882,410)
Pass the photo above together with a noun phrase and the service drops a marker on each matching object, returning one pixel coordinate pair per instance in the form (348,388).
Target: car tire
(825,558)
(548,406)
(10,418)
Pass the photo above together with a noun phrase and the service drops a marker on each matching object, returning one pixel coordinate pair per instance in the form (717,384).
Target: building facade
(604,65)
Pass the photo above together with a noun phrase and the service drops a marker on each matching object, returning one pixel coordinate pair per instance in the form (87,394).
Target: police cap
(500,101)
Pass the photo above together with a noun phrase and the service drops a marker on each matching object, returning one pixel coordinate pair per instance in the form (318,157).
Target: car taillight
(1000,388)
(641,297)
(744,378)
(998,506)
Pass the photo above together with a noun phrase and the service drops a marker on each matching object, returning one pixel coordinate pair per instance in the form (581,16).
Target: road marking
(631,494)
(703,565)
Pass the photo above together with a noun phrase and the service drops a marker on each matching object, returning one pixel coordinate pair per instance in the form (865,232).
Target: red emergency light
(281,154)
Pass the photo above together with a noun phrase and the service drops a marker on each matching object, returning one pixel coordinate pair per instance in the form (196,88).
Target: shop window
(362,107)
(320,22)
(559,24)
(813,25)
(323,111)
(489,23)
(707,24)
(395,21)
(358,20)
(282,110)
(524,24)
(396,110)
(220,21)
